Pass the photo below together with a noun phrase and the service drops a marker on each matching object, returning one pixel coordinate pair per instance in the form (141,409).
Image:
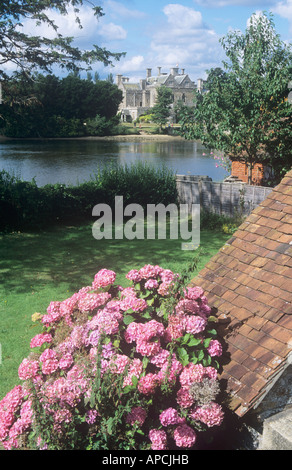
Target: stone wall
(224,198)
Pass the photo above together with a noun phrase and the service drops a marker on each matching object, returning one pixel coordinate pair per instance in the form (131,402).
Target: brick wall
(240,170)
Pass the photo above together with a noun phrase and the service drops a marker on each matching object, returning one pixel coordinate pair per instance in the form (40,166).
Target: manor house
(138,98)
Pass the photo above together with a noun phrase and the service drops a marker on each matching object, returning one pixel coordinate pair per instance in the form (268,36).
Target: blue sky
(163,33)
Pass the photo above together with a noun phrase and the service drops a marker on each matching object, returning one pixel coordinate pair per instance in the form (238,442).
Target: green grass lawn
(36,268)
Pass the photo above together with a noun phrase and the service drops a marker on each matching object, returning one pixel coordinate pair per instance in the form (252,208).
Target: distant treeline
(59,107)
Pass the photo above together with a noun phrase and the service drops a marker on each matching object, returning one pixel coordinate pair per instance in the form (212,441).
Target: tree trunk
(249,173)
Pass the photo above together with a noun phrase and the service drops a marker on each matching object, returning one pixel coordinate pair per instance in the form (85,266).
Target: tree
(70,100)
(161,109)
(246,112)
(34,53)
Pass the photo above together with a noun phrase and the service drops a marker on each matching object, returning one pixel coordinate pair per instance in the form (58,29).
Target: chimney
(174,71)
(182,71)
(149,73)
(159,71)
(118,79)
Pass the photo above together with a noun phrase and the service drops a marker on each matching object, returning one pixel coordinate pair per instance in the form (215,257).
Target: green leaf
(212,319)
(183,356)
(194,342)
(207,342)
(127,389)
(212,332)
(194,359)
(200,356)
(185,338)
(128,319)
(134,380)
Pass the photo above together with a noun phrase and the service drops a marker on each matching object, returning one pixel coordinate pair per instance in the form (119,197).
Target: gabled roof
(132,86)
(249,285)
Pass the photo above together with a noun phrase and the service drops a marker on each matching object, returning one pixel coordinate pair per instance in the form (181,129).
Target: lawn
(36,268)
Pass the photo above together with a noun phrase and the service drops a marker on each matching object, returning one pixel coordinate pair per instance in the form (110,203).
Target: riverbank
(142,137)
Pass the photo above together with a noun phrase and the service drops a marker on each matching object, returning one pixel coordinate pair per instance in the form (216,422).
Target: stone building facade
(139,98)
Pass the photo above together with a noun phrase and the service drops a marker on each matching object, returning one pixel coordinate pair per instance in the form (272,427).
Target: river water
(75,161)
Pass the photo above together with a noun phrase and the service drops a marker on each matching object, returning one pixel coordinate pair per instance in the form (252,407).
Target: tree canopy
(57,106)
(161,110)
(246,112)
(35,53)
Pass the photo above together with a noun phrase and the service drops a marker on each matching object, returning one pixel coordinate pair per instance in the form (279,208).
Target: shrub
(118,368)
(138,183)
(24,205)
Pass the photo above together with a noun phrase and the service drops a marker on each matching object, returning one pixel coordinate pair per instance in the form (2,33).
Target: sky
(158,33)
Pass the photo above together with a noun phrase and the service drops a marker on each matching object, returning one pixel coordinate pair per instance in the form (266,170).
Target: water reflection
(73,161)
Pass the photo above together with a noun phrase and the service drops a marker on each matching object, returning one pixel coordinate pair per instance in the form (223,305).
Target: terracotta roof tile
(249,282)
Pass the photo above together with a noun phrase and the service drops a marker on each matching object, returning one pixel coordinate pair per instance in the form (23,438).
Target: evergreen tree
(162,108)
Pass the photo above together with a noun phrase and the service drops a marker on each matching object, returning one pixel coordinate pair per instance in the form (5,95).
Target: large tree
(246,112)
(70,100)
(161,110)
(35,53)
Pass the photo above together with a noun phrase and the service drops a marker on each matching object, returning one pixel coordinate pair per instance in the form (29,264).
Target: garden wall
(226,198)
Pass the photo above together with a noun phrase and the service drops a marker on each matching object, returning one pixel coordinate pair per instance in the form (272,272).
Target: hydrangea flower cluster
(106,335)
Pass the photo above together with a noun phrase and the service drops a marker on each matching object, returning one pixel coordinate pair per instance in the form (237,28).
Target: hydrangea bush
(118,368)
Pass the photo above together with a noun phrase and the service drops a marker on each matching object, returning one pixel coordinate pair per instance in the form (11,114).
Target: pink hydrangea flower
(150,271)
(148,384)
(66,361)
(187,306)
(133,303)
(91,416)
(147,348)
(91,301)
(134,276)
(9,405)
(135,370)
(151,284)
(28,369)
(40,339)
(103,278)
(194,293)
(211,414)
(191,373)
(136,415)
(158,439)
(184,436)
(175,328)
(50,366)
(48,354)
(184,399)
(118,363)
(170,416)
(215,348)
(211,373)
(161,358)
(195,324)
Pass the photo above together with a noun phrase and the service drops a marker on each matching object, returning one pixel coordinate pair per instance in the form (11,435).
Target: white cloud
(68,26)
(111,31)
(226,3)
(185,39)
(131,65)
(181,17)
(284,9)
(118,10)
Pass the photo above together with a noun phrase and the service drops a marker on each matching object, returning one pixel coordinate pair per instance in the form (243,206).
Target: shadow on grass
(71,256)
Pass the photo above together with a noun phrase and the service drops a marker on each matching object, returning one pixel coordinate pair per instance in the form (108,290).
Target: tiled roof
(249,285)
